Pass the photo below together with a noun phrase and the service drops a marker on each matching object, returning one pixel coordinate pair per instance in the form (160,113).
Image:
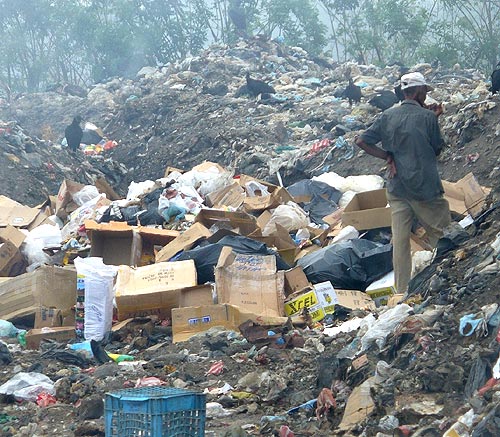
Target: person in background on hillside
(73,134)
(411,141)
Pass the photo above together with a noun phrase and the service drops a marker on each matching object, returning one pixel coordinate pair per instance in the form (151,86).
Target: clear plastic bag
(291,216)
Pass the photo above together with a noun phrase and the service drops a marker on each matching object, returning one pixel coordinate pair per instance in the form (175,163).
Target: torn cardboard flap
(153,289)
(277,196)
(240,222)
(250,282)
(231,196)
(184,241)
(12,263)
(359,405)
(281,241)
(64,200)
(59,334)
(14,214)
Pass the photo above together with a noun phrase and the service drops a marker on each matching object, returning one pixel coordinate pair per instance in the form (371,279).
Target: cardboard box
(12,263)
(239,222)
(190,321)
(231,196)
(277,196)
(319,301)
(368,210)
(47,286)
(64,201)
(195,296)
(61,334)
(116,243)
(48,317)
(184,241)
(465,196)
(153,289)
(381,290)
(250,282)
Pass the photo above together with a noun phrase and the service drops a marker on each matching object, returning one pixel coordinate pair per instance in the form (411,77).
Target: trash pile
(241,247)
(192,111)
(276,302)
(32,169)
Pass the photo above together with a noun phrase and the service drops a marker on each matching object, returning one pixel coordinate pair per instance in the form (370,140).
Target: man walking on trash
(411,141)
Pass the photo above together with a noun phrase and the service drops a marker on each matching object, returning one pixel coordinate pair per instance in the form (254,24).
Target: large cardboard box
(47,286)
(60,334)
(49,317)
(237,221)
(250,282)
(12,262)
(184,241)
(368,210)
(116,243)
(190,321)
(153,289)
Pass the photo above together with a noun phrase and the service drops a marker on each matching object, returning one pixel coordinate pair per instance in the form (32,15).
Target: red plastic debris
(45,399)
(285,431)
(326,400)
(216,369)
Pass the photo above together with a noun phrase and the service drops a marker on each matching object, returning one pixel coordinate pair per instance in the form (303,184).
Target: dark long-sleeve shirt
(412,135)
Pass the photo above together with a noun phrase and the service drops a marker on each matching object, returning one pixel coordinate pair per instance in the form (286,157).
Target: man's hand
(436,108)
(391,166)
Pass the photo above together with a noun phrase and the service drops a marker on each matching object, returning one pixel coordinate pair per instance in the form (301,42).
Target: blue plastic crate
(155,412)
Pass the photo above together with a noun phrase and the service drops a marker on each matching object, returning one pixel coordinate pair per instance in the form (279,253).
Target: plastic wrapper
(139,189)
(384,326)
(85,212)
(290,216)
(352,264)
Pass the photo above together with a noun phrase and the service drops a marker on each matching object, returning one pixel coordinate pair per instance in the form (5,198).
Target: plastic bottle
(462,427)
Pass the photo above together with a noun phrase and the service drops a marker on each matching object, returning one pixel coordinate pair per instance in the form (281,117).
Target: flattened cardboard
(354,299)
(153,289)
(184,241)
(250,282)
(230,196)
(115,242)
(59,334)
(14,214)
(240,222)
(277,196)
(368,210)
(359,405)
(12,234)
(190,321)
(47,286)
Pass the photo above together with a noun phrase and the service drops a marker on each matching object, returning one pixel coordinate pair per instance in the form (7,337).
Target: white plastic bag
(357,184)
(420,260)
(384,326)
(39,238)
(347,233)
(138,189)
(98,281)
(291,216)
(88,192)
(27,386)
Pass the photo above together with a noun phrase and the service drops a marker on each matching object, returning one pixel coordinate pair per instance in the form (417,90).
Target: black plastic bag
(206,256)
(318,208)
(351,265)
(308,187)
